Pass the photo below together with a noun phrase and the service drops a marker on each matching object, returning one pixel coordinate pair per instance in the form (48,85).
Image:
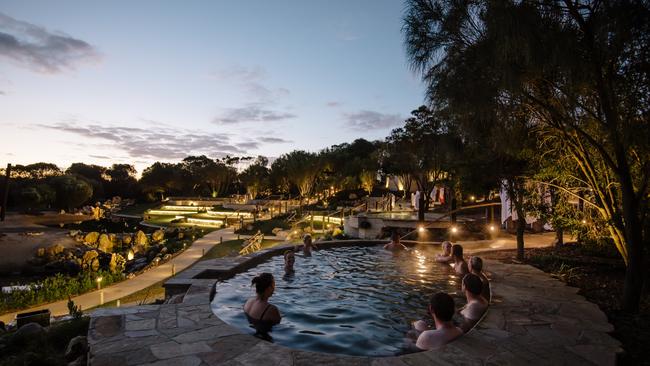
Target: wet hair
(473,283)
(262,282)
(394,236)
(442,306)
(306,237)
(287,252)
(457,250)
(445,244)
(477,263)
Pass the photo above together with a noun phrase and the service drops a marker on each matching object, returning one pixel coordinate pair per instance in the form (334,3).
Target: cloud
(253,112)
(151,143)
(334,104)
(252,81)
(40,50)
(2,93)
(366,120)
(274,140)
(162,142)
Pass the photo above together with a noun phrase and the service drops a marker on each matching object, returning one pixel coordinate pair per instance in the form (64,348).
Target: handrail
(253,244)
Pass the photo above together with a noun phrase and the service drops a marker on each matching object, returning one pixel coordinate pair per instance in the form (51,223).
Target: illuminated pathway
(146,279)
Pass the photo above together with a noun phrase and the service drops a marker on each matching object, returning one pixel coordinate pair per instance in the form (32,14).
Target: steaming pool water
(350,300)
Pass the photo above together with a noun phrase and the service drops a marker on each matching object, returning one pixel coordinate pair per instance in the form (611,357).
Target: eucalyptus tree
(301,169)
(579,69)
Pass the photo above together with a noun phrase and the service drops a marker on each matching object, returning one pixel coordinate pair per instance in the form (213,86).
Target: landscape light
(584,221)
(492,228)
(129,255)
(454,229)
(99,283)
(472,198)
(421,229)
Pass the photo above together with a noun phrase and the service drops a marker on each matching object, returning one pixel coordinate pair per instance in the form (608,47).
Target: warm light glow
(472,198)
(584,221)
(99,279)
(129,255)
(421,229)
(492,228)
(454,229)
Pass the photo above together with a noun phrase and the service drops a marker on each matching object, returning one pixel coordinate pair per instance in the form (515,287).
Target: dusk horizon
(210,79)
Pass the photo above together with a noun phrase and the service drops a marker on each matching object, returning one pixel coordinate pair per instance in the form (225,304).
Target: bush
(45,350)
(55,288)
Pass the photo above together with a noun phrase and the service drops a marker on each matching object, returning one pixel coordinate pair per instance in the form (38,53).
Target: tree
(36,171)
(122,181)
(424,149)
(94,175)
(256,177)
(368,179)
(71,191)
(301,169)
(579,70)
(162,178)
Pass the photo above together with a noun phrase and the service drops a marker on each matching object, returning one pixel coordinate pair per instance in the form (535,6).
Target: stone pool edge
(533,318)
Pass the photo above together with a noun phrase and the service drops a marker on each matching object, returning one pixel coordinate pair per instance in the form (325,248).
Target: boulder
(80,361)
(105,244)
(127,239)
(28,331)
(90,260)
(180,235)
(40,252)
(166,257)
(158,235)
(91,238)
(117,263)
(141,239)
(77,347)
(53,250)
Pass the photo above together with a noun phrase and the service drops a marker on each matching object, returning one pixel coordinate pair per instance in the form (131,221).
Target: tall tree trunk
(634,275)
(521,228)
(559,237)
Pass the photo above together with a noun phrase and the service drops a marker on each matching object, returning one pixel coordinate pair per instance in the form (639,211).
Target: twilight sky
(143,81)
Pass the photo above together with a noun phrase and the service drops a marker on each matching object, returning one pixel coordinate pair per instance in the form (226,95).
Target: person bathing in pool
(260,313)
(308,245)
(460,265)
(289,260)
(476,303)
(394,243)
(441,309)
(445,256)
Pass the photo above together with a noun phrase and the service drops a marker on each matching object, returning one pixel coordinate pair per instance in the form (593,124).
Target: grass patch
(45,349)
(145,296)
(232,248)
(265,226)
(138,208)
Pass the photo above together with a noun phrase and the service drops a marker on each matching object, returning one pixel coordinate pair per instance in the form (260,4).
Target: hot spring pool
(349,300)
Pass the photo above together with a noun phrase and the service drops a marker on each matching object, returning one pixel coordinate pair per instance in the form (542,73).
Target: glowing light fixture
(492,228)
(584,221)
(421,229)
(129,255)
(454,229)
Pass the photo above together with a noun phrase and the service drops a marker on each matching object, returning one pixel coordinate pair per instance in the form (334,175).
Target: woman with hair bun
(260,313)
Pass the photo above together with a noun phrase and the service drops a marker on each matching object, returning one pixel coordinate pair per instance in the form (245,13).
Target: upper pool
(348,300)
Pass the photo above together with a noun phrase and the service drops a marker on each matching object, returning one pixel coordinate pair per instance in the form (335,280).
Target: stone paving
(533,319)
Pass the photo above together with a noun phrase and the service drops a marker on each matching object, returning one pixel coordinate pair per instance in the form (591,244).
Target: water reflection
(355,300)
